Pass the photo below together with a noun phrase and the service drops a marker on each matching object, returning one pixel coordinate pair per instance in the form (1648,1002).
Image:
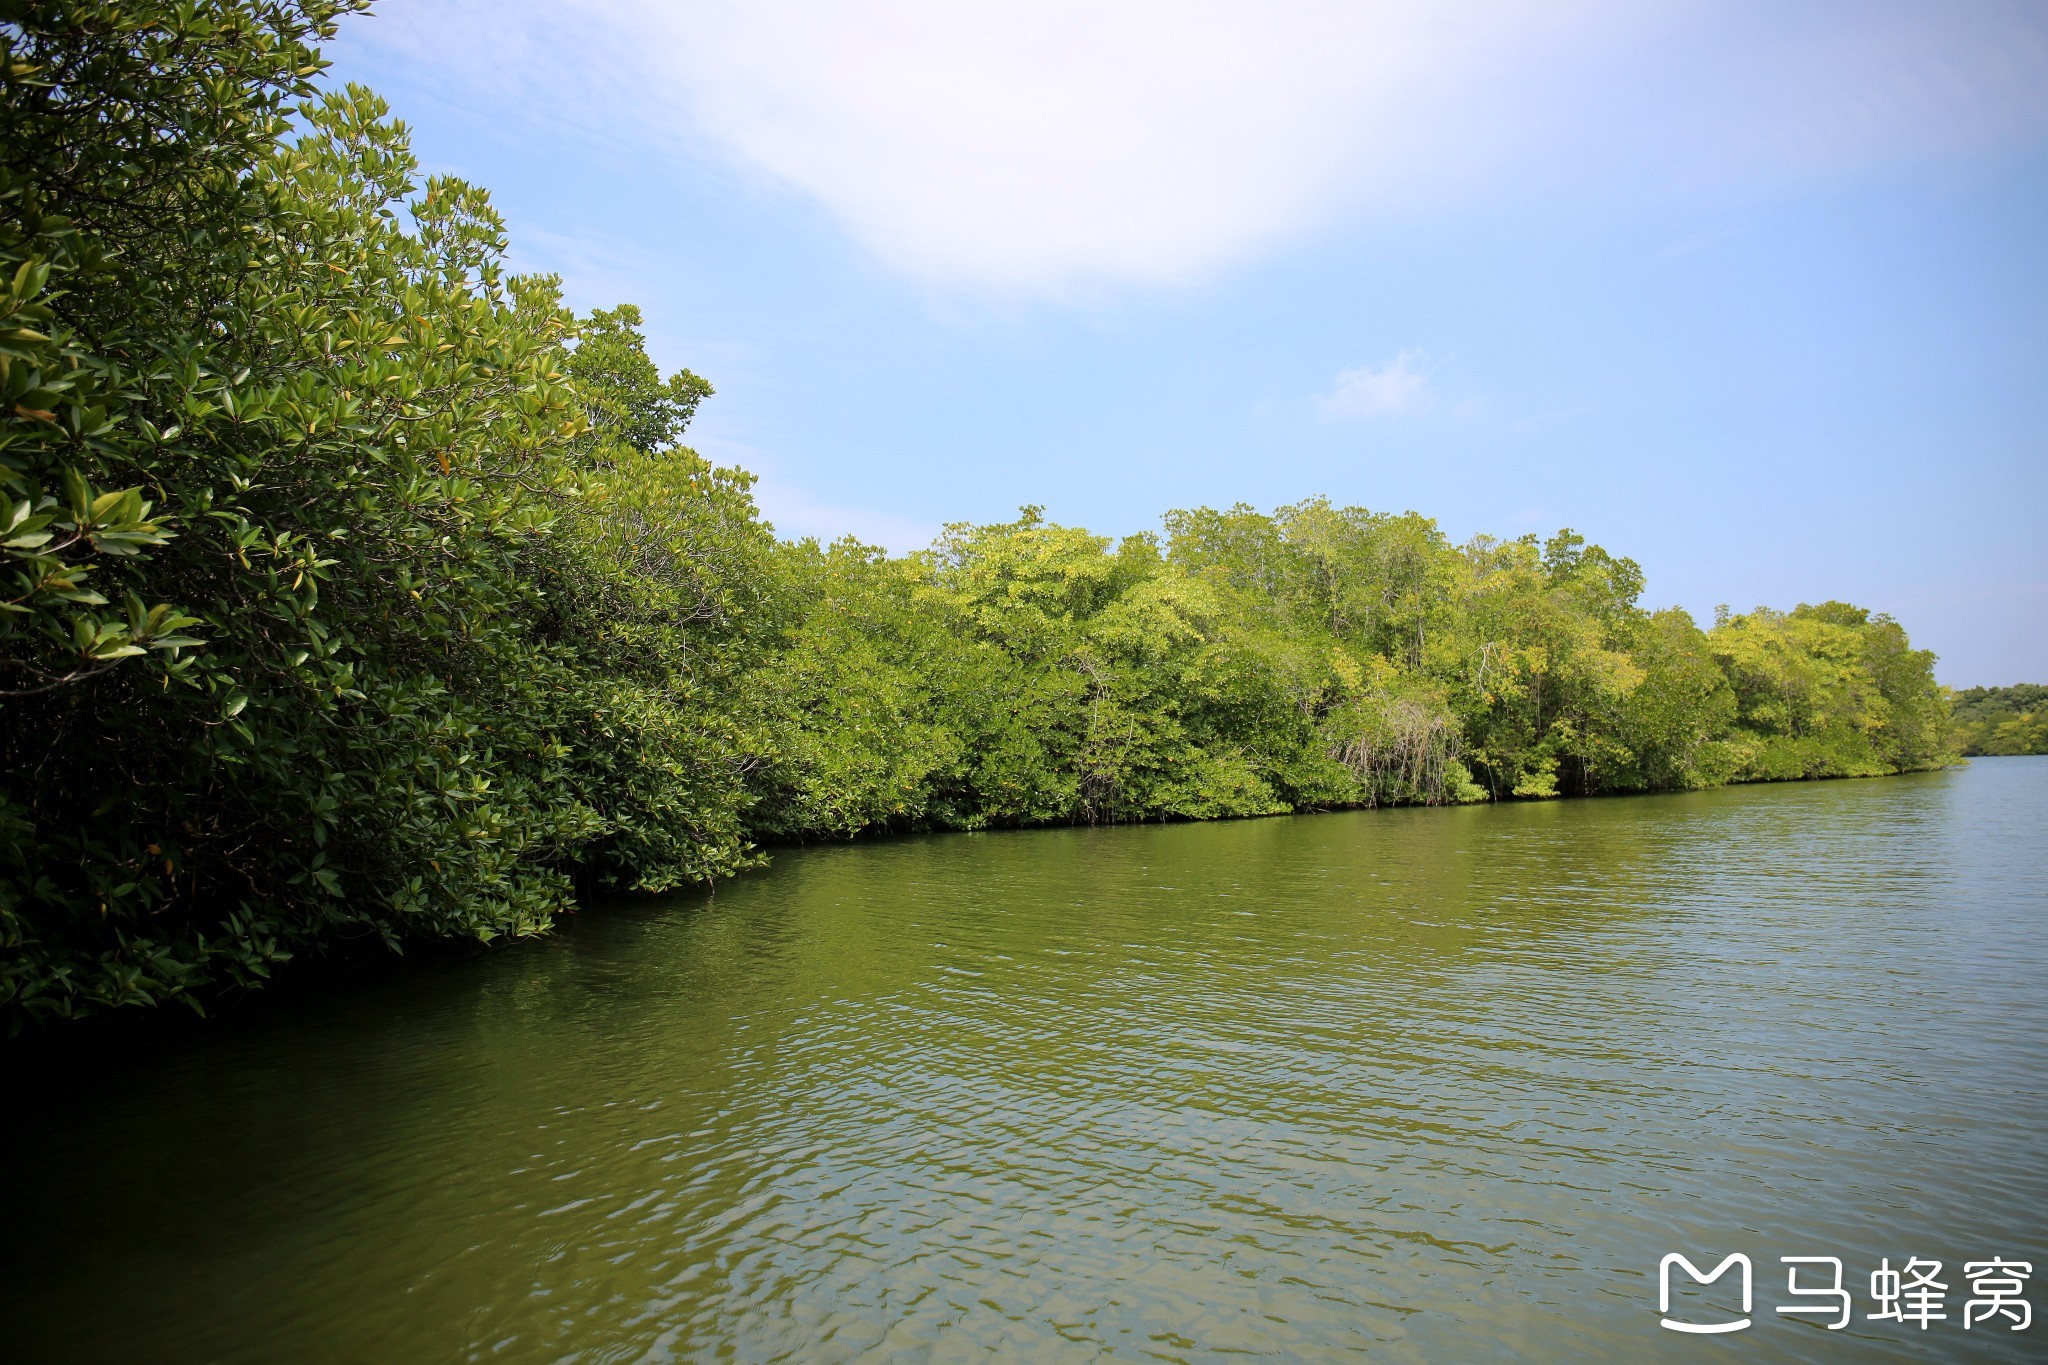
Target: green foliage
(1313,658)
(658,582)
(352,598)
(355,591)
(2002,720)
(853,704)
(1830,691)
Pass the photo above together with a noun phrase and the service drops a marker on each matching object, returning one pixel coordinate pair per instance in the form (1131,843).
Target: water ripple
(1425,1084)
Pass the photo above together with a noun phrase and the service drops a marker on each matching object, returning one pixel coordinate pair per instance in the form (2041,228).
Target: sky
(1755,293)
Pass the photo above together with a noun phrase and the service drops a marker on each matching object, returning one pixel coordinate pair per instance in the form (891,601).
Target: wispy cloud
(598,271)
(1401,385)
(1048,146)
(1044,144)
(796,514)
(1020,146)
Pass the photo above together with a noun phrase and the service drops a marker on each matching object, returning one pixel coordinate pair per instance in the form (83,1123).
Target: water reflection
(1436,1084)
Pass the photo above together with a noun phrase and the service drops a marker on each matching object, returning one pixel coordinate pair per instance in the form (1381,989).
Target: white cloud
(1398,386)
(1049,146)
(1041,144)
(1018,146)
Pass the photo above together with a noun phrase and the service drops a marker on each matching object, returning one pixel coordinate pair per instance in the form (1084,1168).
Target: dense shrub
(2002,720)
(351,597)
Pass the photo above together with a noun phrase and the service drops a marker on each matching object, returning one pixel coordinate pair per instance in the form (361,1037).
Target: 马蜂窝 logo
(1701,1277)
(1910,1295)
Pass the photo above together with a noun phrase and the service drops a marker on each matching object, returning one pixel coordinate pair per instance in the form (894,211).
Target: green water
(1435,1085)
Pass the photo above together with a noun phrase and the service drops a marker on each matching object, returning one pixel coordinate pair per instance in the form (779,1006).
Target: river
(1432,1084)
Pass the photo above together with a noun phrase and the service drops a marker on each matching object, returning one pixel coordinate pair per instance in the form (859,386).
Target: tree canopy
(2002,720)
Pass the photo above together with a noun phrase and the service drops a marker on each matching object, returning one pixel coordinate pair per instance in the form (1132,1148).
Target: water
(1437,1085)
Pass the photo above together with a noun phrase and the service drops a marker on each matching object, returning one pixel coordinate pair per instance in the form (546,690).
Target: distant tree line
(2002,720)
(356,590)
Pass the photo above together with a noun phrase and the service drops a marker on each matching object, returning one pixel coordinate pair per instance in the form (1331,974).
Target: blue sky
(1756,293)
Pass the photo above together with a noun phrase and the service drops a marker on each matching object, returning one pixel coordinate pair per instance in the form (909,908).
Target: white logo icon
(1699,1277)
